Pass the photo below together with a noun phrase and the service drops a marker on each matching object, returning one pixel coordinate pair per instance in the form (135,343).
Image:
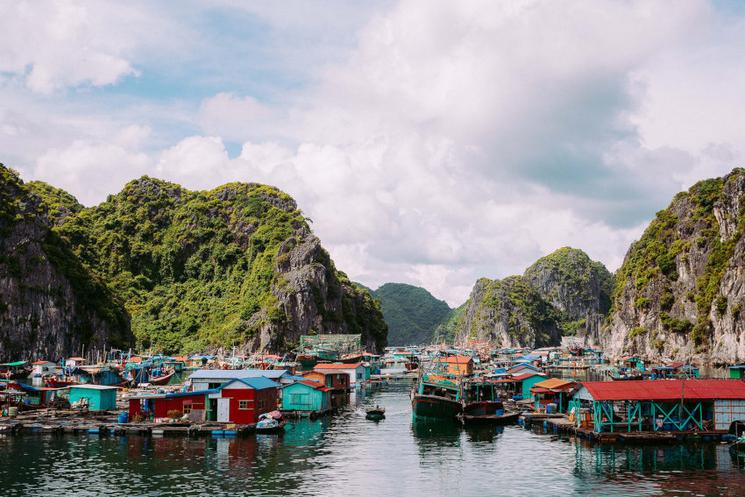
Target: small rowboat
(268,424)
(375,413)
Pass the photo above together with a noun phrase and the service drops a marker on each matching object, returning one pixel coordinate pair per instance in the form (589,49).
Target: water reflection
(347,454)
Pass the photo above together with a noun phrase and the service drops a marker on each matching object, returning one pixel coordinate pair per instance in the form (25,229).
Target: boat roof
(13,364)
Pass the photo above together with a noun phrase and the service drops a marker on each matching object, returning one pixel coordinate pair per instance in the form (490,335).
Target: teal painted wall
(299,397)
(98,400)
(528,384)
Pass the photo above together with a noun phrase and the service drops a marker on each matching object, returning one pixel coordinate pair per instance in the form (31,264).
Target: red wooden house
(238,401)
(243,401)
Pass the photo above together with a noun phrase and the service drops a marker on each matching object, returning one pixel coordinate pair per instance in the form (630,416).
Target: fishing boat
(482,403)
(162,379)
(436,397)
(375,413)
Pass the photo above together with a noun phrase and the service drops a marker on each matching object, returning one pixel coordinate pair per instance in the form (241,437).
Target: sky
(431,142)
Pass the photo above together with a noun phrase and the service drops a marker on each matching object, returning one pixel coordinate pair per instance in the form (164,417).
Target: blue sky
(432,142)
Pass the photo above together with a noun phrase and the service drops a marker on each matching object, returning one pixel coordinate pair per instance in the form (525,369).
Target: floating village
(570,389)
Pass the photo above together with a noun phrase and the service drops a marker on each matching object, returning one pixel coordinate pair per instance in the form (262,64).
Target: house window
(243,404)
(187,408)
(261,404)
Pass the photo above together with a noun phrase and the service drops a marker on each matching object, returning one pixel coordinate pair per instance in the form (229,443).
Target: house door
(223,410)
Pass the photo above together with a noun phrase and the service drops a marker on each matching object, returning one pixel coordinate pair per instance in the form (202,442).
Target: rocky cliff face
(579,289)
(50,305)
(564,293)
(508,313)
(681,288)
(237,266)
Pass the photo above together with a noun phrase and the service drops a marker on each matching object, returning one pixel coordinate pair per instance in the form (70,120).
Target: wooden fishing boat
(482,403)
(163,379)
(436,397)
(375,413)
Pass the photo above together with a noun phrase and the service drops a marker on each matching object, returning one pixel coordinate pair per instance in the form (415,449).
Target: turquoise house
(305,395)
(527,380)
(100,397)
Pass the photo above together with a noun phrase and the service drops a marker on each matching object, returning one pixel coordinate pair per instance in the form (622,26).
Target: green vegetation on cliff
(685,239)
(411,312)
(234,266)
(42,277)
(578,287)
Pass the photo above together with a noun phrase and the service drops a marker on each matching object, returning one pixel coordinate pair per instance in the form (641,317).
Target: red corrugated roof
(666,389)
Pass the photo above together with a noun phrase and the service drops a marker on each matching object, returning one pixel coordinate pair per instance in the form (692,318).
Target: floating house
(306,396)
(527,381)
(243,401)
(356,371)
(553,391)
(458,365)
(335,380)
(661,405)
(40,368)
(207,379)
(99,397)
(239,401)
(192,404)
(39,396)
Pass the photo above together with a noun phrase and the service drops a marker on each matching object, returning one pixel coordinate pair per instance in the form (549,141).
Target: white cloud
(91,171)
(454,140)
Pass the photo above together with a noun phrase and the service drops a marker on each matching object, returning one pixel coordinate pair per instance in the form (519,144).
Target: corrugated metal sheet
(727,411)
(666,389)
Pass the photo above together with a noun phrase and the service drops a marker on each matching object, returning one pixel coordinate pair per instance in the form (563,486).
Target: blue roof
(237,374)
(259,383)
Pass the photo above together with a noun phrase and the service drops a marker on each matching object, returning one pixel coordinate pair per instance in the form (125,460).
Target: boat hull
(432,406)
(162,380)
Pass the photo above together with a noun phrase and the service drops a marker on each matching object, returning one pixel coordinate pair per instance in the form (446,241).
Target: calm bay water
(348,455)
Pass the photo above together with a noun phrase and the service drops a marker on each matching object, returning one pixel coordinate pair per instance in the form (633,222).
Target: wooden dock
(560,424)
(55,422)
